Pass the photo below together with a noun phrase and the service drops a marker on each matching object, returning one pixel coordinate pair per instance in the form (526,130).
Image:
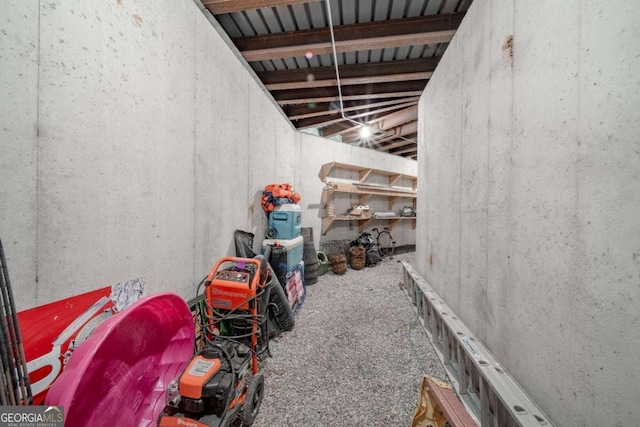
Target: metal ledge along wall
(530,192)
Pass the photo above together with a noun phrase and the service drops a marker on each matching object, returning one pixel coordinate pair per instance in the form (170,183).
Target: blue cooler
(285,222)
(293,247)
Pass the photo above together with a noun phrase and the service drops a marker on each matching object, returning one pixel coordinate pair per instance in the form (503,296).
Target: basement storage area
(319,213)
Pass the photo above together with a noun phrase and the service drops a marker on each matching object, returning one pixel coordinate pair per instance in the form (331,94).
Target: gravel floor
(355,357)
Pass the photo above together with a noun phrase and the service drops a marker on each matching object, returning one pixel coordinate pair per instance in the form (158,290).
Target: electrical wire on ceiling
(380,132)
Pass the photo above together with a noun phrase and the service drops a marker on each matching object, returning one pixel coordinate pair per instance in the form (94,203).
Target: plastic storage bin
(285,222)
(294,249)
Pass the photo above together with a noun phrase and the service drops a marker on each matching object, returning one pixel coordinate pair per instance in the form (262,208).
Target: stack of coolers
(286,245)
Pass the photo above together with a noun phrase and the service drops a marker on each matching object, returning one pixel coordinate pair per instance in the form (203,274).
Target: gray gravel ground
(355,357)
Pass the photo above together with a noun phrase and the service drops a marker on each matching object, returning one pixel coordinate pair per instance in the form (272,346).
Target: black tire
(283,315)
(252,400)
(288,324)
(309,251)
(386,244)
(310,267)
(310,276)
(310,282)
(271,233)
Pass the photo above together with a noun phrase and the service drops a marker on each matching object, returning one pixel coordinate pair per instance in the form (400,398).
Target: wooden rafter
(385,122)
(399,143)
(296,112)
(412,69)
(377,90)
(350,97)
(412,149)
(218,7)
(323,121)
(418,30)
(406,129)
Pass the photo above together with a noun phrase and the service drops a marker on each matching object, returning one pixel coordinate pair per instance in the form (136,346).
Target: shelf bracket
(326,223)
(363,199)
(392,201)
(326,194)
(393,179)
(364,223)
(364,174)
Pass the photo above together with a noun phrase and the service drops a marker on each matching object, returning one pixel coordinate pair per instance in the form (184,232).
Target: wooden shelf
(327,221)
(366,190)
(326,169)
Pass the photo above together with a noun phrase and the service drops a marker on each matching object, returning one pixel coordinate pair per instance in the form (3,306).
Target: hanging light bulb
(365,132)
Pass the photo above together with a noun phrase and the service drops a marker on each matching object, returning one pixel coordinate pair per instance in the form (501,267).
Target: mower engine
(211,382)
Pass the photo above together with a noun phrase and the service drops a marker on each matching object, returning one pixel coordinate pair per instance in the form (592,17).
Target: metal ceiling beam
(385,122)
(296,112)
(218,7)
(328,94)
(323,121)
(412,69)
(419,30)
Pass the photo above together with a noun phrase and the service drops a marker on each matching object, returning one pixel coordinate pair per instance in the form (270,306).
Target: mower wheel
(271,233)
(252,400)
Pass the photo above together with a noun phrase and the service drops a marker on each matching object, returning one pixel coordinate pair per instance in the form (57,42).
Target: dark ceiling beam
(385,122)
(391,134)
(419,30)
(412,69)
(323,121)
(295,112)
(218,7)
(399,143)
(402,77)
(413,148)
(328,94)
(350,98)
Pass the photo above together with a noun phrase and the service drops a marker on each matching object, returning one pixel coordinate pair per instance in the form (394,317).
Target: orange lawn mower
(222,382)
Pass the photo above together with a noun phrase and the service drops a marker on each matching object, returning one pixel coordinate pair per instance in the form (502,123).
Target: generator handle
(264,267)
(235,260)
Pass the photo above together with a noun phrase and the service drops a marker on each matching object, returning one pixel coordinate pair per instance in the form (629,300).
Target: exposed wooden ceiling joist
(323,121)
(328,94)
(406,129)
(413,69)
(413,148)
(218,7)
(399,143)
(424,75)
(296,112)
(385,122)
(349,98)
(420,30)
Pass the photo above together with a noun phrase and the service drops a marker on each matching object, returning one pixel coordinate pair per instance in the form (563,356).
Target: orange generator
(223,382)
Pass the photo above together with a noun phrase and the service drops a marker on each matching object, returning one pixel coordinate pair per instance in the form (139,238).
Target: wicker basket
(357,257)
(338,263)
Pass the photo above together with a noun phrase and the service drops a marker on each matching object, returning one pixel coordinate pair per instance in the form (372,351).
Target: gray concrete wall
(313,152)
(19,44)
(529,173)
(134,142)
(142,165)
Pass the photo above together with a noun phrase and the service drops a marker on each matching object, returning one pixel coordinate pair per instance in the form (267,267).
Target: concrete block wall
(133,143)
(529,172)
